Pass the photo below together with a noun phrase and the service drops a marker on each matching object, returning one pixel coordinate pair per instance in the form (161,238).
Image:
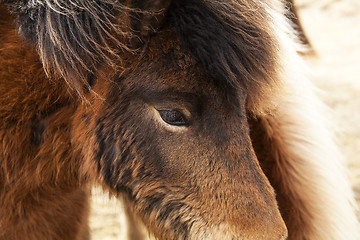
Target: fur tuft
(234,42)
(73,37)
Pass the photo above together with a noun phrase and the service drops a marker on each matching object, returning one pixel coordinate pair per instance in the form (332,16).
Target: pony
(196,112)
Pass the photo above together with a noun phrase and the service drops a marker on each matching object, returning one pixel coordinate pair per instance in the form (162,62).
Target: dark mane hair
(72,37)
(230,38)
(234,45)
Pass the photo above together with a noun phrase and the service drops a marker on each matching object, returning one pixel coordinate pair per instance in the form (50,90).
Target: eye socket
(173,117)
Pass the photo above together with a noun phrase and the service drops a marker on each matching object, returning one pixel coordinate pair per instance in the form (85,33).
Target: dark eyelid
(155,96)
(175,99)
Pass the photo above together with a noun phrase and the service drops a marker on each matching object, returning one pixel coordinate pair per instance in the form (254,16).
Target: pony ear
(148,16)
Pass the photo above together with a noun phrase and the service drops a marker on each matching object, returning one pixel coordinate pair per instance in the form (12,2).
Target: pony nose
(265,229)
(252,217)
(266,224)
(255,213)
(257,230)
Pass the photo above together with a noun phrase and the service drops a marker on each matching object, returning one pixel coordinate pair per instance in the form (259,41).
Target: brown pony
(197,112)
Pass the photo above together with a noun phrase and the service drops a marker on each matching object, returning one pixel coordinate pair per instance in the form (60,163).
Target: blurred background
(333,28)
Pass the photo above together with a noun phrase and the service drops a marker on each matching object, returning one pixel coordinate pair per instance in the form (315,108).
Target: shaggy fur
(33,189)
(255,158)
(72,37)
(233,41)
(299,156)
(293,15)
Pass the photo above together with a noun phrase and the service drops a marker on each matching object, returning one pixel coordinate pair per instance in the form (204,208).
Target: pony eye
(173,117)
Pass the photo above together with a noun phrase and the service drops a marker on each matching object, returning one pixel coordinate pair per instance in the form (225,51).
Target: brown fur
(41,196)
(151,194)
(271,152)
(223,174)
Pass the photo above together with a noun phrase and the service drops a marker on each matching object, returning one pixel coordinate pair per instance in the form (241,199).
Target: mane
(233,40)
(73,37)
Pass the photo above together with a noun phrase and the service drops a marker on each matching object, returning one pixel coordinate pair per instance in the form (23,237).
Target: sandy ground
(333,27)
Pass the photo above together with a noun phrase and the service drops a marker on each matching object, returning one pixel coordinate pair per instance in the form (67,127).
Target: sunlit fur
(293,15)
(301,159)
(79,85)
(70,41)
